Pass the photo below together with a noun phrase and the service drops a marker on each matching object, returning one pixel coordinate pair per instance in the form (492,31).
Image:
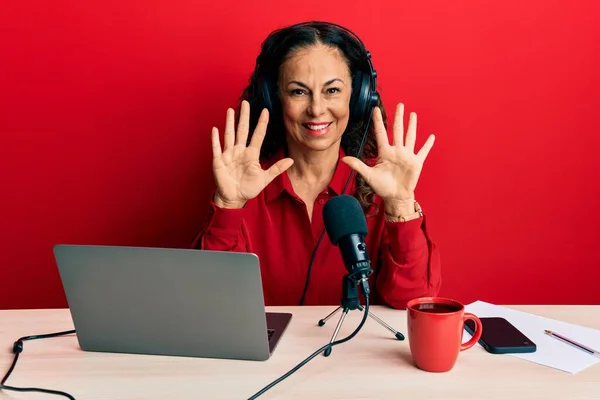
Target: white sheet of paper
(550,351)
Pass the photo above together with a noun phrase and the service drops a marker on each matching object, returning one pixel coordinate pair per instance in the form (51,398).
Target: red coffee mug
(435,332)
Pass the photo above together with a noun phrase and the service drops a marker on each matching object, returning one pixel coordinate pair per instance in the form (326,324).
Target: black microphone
(347,227)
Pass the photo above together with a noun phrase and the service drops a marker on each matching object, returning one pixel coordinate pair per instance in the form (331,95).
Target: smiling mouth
(317,127)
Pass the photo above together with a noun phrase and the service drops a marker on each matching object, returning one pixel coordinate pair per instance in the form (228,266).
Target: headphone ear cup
(363,98)
(267,93)
(264,96)
(357,98)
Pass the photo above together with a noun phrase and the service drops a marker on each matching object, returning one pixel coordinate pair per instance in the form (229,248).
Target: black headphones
(364,82)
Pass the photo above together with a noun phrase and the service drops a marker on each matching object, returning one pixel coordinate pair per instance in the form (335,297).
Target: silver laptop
(174,302)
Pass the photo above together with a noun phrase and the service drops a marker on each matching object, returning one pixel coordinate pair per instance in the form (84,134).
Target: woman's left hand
(394,176)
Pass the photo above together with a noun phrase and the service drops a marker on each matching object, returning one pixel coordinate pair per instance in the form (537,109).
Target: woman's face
(315,87)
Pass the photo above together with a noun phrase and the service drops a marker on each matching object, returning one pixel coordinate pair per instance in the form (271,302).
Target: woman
(295,147)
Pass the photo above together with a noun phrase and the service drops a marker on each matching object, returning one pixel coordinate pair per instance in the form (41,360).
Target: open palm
(238,174)
(395,175)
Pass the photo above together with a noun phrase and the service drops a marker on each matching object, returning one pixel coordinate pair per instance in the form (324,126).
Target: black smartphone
(501,337)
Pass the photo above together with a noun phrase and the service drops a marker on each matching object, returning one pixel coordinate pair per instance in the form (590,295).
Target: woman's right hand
(238,174)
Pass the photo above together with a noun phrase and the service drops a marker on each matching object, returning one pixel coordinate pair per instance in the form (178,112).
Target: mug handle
(476,334)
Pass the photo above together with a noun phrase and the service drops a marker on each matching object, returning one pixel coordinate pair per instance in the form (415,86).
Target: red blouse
(275,226)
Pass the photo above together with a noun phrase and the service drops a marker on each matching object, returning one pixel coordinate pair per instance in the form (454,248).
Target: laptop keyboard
(270,333)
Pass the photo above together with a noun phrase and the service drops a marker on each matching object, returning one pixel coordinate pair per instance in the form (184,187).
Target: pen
(572,343)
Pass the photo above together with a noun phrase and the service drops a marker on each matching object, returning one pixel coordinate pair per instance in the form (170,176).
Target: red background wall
(106,109)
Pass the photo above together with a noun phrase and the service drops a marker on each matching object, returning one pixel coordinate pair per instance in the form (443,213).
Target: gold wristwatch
(403,218)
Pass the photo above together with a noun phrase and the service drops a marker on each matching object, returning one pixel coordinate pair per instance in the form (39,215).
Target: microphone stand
(349,301)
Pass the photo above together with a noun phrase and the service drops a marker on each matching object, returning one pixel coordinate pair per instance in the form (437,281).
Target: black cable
(352,173)
(17,349)
(365,288)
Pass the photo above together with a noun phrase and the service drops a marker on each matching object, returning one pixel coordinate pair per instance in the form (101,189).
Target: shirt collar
(282,182)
